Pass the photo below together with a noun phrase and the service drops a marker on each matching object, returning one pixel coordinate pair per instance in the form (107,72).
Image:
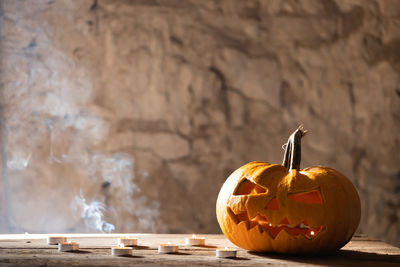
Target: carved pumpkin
(280,208)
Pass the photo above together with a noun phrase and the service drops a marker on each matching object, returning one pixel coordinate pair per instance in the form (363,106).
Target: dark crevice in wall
(93,6)
(223,93)
(282,93)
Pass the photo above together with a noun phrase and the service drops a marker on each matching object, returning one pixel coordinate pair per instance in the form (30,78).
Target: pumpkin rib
(332,240)
(350,201)
(354,201)
(336,242)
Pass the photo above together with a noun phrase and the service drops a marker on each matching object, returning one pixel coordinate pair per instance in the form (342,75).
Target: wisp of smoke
(92,214)
(18,161)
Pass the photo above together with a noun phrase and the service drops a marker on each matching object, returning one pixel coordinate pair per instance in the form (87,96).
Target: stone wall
(139,110)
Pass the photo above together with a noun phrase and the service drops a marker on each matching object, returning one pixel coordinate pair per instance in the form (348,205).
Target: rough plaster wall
(147,106)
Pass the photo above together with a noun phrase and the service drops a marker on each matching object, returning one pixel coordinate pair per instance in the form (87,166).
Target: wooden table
(32,250)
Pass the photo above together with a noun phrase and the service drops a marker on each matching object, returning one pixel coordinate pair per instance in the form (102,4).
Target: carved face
(263,207)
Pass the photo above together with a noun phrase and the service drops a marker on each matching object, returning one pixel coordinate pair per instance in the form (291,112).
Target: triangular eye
(247,187)
(312,197)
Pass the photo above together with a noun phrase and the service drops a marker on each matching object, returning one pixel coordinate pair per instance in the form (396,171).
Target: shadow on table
(80,252)
(339,257)
(140,247)
(236,259)
(205,246)
(179,253)
(130,256)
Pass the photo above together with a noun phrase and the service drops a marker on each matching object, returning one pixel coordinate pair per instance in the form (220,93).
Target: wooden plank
(32,250)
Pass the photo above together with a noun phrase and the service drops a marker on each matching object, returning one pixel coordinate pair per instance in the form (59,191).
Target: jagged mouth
(262,223)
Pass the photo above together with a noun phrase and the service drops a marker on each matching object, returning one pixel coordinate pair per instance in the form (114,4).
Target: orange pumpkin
(280,208)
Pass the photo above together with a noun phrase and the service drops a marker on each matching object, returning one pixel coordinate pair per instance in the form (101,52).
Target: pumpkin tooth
(237,217)
(232,215)
(284,235)
(252,214)
(260,229)
(274,231)
(244,224)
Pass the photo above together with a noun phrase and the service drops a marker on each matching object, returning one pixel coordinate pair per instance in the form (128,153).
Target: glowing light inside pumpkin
(264,225)
(247,187)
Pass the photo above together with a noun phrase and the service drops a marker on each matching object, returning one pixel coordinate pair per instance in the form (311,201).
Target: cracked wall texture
(148,106)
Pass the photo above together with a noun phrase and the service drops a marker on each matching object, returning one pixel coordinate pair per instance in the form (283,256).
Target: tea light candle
(127,241)
(226,253)
(54,240)
(121,250)
(195,241)
(68,246)
(167,248)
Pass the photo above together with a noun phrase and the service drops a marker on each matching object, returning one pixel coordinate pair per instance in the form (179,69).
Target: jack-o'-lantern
(280,208)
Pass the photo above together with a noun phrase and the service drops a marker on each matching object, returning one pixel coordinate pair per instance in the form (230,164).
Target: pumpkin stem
(292,158)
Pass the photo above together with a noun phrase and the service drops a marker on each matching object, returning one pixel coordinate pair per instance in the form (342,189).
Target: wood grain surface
(95,250)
